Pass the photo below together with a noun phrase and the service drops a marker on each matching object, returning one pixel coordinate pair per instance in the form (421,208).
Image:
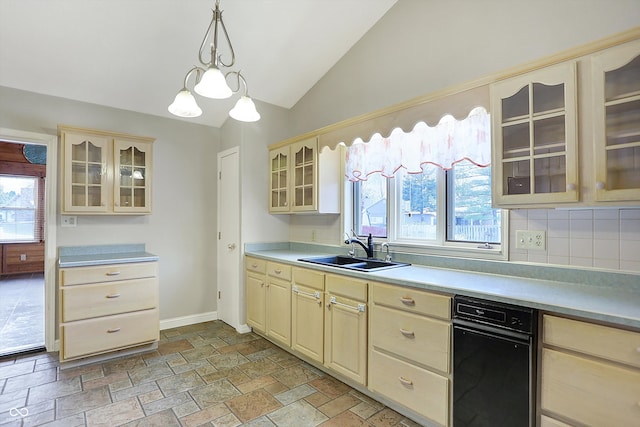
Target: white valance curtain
(443,145)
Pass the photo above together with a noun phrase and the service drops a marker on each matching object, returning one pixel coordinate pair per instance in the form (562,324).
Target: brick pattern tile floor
(201,375)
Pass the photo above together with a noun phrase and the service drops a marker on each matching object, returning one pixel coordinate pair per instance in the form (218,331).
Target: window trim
(438,247)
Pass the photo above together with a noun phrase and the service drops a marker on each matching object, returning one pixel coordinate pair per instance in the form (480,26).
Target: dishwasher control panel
(522,319)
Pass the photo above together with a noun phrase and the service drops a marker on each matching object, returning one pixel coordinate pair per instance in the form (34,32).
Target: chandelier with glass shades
(211,82)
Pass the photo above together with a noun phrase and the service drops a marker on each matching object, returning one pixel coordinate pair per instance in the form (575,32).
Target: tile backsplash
(600,238)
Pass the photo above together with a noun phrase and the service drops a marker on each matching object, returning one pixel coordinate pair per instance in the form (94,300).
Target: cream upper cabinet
(304,179)
(279,160)
(616,123)
(534,137)
(105,173)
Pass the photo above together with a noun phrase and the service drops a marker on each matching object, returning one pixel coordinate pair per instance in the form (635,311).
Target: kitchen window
(21,209)
(423,198)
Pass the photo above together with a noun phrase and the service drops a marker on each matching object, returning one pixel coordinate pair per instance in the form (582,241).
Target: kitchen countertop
(619,304)
(83,256)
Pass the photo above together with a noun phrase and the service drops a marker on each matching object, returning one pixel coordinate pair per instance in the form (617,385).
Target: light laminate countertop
(619,305)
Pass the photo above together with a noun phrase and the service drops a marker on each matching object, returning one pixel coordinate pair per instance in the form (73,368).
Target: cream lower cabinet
(590,374)
(307,313)
(345,327)
(410,349)
(256,292)
(278,303)
(107,308)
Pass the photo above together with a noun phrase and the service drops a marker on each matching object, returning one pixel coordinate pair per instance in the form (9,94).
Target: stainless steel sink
(360,264)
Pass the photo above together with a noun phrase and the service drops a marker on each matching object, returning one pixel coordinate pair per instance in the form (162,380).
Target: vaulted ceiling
(134,54)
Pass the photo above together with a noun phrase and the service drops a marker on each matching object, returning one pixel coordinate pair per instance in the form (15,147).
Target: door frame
(50,224)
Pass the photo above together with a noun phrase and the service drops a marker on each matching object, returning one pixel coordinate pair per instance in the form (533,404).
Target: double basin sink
(351,263)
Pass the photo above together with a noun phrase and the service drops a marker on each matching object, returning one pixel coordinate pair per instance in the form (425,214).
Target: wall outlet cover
(531,239)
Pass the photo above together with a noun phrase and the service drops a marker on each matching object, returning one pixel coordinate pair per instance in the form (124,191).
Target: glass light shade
(213,85)
(245,110)
(185,105)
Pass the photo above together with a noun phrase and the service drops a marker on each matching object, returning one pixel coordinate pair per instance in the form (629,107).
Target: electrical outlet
(313,235)
(529,239)
(23,257)
(68,220)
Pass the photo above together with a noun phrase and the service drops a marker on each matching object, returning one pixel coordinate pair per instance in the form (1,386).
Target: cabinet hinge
(219,235)
(218,294)
(219,175)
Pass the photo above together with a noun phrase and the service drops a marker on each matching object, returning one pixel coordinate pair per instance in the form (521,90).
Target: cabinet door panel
(346,337)
(279,310)
(307,329)
(107,273)
(85,172)
(256,300)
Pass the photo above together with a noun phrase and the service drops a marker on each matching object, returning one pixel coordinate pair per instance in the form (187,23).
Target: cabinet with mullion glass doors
(534,137)
(616,123)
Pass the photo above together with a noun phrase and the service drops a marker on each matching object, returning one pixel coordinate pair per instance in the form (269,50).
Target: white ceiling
(134,54)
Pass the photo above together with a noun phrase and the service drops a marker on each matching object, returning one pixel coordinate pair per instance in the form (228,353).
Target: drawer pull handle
(113,273)
(409,334)
(408,301)
(254,265)
(111,331)
(113,296)
(405,382)
(277,271)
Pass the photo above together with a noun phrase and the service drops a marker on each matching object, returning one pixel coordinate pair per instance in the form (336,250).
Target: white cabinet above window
(105,173)
(303,179)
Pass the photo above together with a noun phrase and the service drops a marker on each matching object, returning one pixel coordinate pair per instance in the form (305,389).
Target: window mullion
(441,225)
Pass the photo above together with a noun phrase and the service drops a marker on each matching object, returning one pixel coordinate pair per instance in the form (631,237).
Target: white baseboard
(176,322)
(243,329)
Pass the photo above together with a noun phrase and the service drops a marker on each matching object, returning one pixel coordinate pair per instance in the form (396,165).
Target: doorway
(28,242)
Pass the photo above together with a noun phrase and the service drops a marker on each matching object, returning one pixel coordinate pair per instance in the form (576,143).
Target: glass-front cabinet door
(534,137)
(279,160)
(616,123)
(85,172)
(132,176)
(305,172)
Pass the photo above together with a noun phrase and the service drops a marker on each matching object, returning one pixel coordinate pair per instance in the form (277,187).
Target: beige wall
(179,230)
(420,47)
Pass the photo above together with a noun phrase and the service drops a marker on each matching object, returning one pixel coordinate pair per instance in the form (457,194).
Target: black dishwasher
(494,350)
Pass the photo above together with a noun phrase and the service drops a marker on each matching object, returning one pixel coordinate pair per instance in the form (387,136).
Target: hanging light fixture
(210,80)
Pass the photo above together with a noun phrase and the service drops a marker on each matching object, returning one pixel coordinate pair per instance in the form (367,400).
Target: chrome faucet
(368,248)
(385,245)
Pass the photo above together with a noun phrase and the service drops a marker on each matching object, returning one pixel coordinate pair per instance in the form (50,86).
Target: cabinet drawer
(412,300)
(426,341)
(84,302)
(107,273)
(609,343)
(589,391)
(418,389)
(308,278)
(347,287)
(281,271)
(92,336)
(256,265)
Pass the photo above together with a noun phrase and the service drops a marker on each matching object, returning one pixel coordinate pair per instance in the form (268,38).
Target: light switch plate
(531,239)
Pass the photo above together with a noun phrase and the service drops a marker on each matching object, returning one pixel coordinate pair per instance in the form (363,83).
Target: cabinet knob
(600,185)
(405,381)
(408,334)
(571,187)
(408,301)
